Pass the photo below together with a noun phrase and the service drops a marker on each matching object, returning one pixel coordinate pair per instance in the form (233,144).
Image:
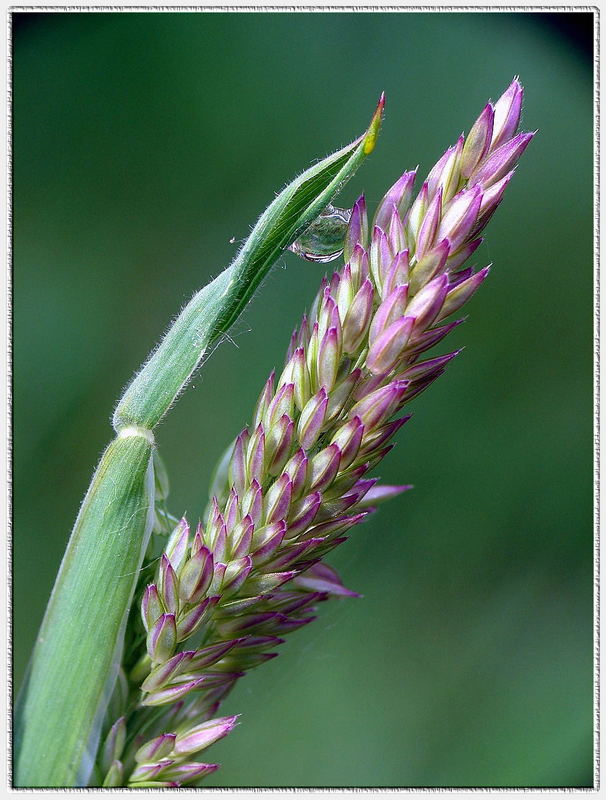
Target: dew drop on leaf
(323,241)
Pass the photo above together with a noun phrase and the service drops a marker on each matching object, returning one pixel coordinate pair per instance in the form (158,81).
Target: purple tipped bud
(328,358)
(334,284)
(430,265)
(217,581)
(186,773)
(237,465)
(232,509)
(429,371)
(151,606)
(252,502)
(328,316)
(345,292)
(215,680)
(283,403)
(296,469)
(234,608)
(202,736)
(398,272)
(210,655)
(189,623)
(460,216)
(214,518)
(162,639)
(176,548)
(170,695)
(348,439)
(399,196)
(286,376)
(145,772)
(507,111)
(247,623)
(358,317)
(264,400)
(351,498)
(454,279)
(312,356)
(417,211)
(322,578)
(278,444)
(426,305)
(341,394)
(478,141)
(367,385)
(277,499)
(343,484)
(288,555)
(380,257)
(357,230)
(396,235)
(324,467)
(501,160)
(287,602)
(255,455)
(156,749)
(266,582)
(300,378)
(198,542)
(391,309)
(429,339)
(388,348)
(302,514)
(340,525)
(241,537)
(312,419)
(382,435)
(217,538)
(433,179)
(236,572)
(423,368)
(266,541)
(358,263)
(164,673)
(196,576)
(429,227)
(168,585)
(318,300)
(454,261)
(378,406)
(378,494)
(462,292)
(445,174)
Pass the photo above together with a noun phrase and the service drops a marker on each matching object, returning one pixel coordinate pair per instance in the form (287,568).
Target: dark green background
(142,144)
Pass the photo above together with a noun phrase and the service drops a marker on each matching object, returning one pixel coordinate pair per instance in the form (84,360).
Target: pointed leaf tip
(372,133)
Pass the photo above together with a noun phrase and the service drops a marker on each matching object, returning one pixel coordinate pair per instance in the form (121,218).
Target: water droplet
(324,240)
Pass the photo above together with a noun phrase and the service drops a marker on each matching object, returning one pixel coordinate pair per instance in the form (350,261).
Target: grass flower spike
(298,478)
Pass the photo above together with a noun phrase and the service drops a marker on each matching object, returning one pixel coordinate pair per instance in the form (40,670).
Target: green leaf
(212,311)
(79,646)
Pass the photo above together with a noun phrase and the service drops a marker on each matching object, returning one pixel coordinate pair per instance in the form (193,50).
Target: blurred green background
(142,144)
